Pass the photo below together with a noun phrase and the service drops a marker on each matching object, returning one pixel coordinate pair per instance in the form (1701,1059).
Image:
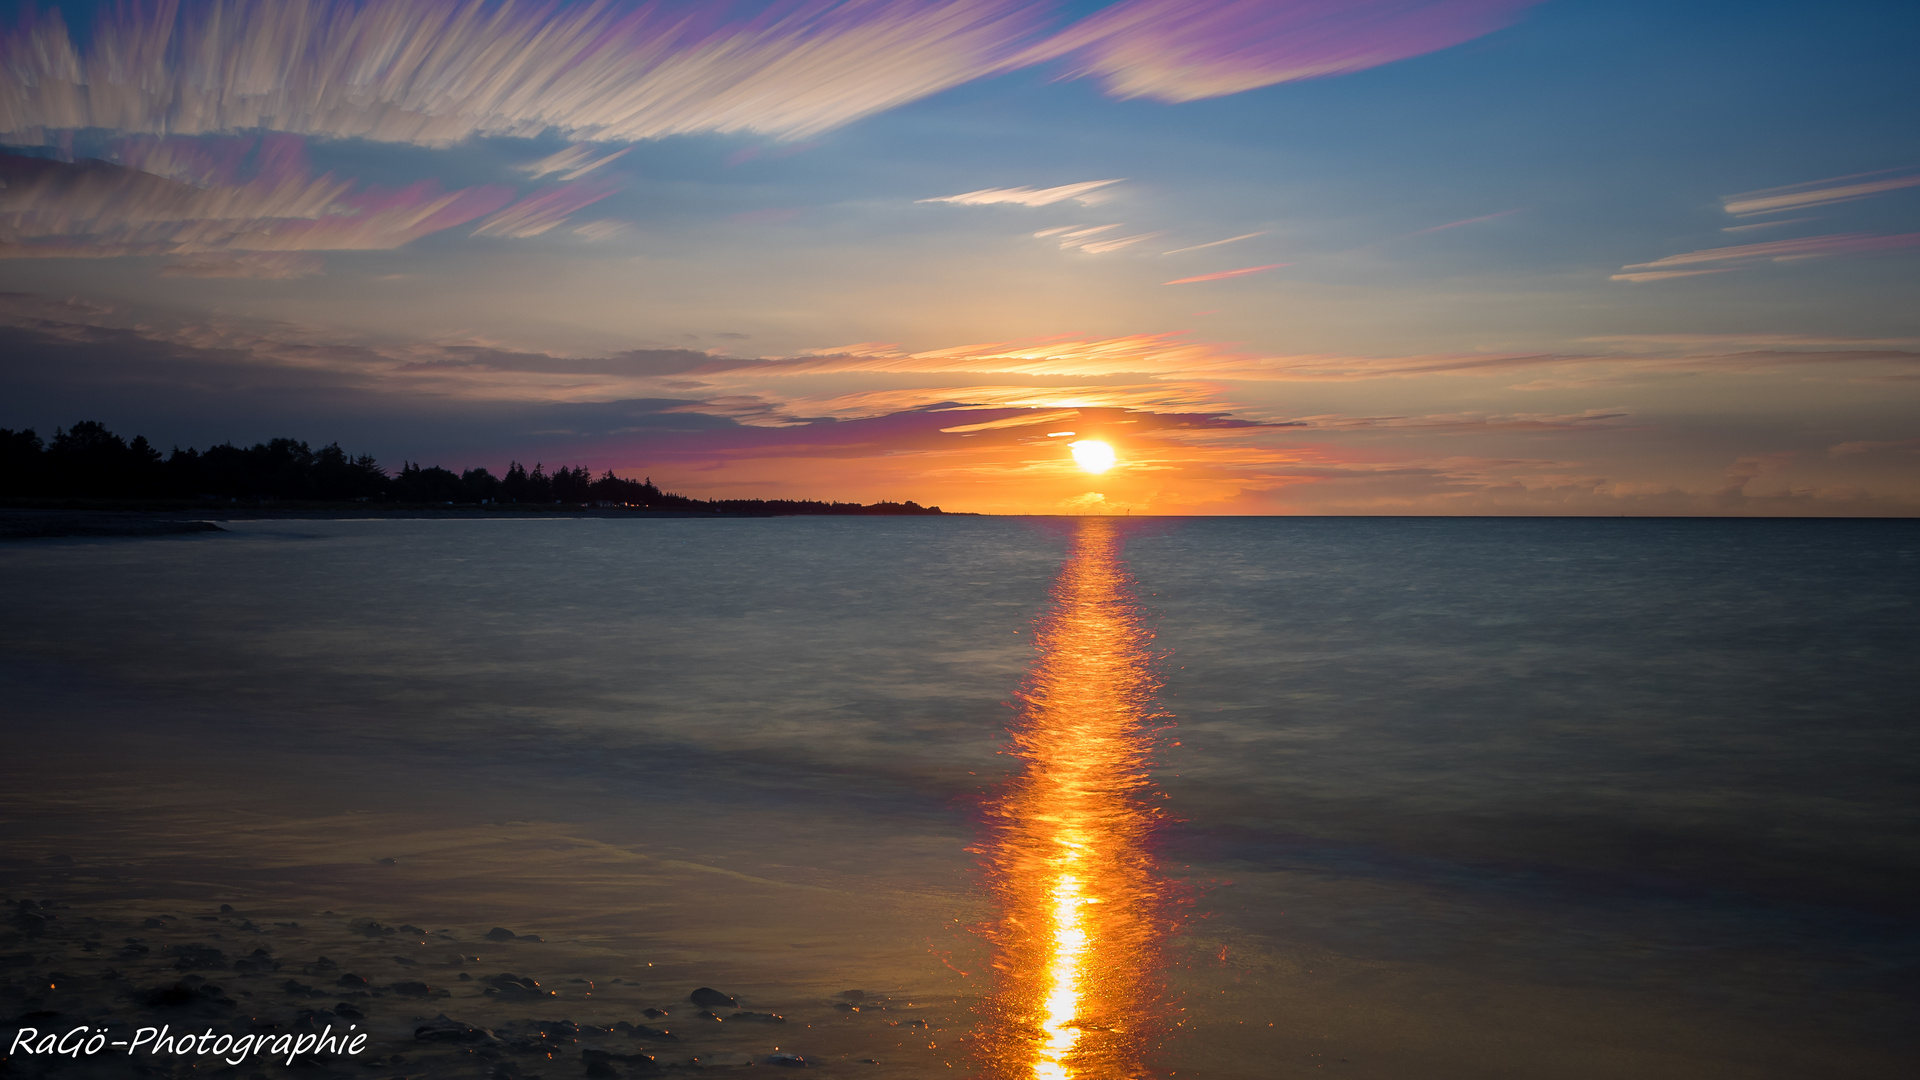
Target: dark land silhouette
(89,462)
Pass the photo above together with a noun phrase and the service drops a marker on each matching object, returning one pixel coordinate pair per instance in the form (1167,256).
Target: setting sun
(1092,455)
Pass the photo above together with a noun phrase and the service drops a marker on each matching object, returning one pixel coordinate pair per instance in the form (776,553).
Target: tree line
(87,461)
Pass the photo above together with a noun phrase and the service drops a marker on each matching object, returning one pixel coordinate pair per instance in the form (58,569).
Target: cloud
(1663,275)
(1179,50)
(1720,340)
(1217,243)
(1026,196)
(267,266)
(1457,224)
(574,162)
(1808,247)
(1813,193)
(435,72)
(1096,247)
(602,229)
(1767,224)
(99,209)
(542,211)
(1222,275)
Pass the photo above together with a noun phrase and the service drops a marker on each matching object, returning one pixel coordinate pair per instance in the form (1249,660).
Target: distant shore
(46,519)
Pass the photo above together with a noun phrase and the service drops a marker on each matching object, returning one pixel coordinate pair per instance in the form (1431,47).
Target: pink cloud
(1222,275)
(1178,50)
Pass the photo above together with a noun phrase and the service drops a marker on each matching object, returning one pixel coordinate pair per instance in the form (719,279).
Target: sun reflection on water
(1082,908)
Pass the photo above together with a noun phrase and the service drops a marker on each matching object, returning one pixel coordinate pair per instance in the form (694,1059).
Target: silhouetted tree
(479,485)
(432,484)
(87,460)
(514,487)
(21,462)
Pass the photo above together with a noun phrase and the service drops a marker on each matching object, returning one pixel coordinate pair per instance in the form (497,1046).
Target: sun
(1092,454)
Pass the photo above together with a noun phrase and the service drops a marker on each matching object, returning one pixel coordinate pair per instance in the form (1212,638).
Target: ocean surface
(1381,797)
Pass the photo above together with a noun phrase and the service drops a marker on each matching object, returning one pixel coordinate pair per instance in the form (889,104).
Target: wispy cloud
(1217,243)
(1663,275)
(1096,247)
(573,162)
(1807,247)
(1774,340)
(1179,50)
(1457,224)
(1812,193)
(542,211)
(97,209)
(1221,275)
(1756,226)
(264,265)
(434,72)
(1083,193)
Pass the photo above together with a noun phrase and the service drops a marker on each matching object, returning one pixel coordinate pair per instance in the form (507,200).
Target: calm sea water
(1476,797)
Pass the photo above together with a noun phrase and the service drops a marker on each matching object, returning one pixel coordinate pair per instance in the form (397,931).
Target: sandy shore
(441,1001)
(36,524)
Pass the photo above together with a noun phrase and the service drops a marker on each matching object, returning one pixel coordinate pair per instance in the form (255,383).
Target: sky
(1284,256)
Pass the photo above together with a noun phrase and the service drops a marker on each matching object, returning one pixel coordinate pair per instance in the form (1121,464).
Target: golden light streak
(1083,909)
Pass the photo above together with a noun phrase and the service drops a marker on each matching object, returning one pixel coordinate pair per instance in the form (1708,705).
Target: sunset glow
(807,251)
(1083,911)
(1093,455)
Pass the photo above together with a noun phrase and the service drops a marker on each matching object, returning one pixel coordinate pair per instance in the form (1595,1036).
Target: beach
(1435,802)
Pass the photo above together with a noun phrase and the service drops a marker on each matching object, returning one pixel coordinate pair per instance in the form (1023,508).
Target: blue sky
(1569,257)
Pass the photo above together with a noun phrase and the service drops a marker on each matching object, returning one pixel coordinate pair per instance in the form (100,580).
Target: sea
(1089,797)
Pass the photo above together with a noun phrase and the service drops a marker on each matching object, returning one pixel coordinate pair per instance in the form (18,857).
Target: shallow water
(1441,797)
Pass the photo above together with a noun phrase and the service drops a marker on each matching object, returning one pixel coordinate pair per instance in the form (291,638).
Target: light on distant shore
(1093,455)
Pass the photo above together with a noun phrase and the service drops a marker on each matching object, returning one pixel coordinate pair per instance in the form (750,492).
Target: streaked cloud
(435,72)
(574,162)
(1663,275)
(1082,193)
(1221,275)
(542,211)
(1458,224)
(1179,50)
(98,209)
(1217,243)
(1767,224)
(1096,247)
(1808,247)
(1813,193)
(602,229)
(1641,341)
